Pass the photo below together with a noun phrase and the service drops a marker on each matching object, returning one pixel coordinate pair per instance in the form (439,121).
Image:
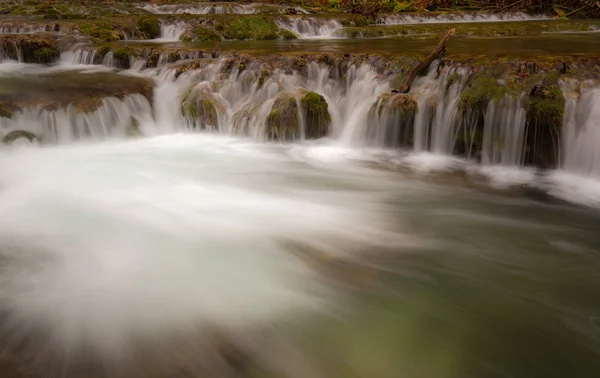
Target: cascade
(400,19)
(78,56)
(11,51)
(311,27)
(436,123)
(581,130)
(504,131)
(171,32)
(22,29)
(200,9)
(113,118)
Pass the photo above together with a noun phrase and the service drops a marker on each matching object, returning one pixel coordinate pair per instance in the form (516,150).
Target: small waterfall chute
(308,27)
(171,32)
(581,131)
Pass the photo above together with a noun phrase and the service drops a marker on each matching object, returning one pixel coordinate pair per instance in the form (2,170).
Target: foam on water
(573,187)
(114,243)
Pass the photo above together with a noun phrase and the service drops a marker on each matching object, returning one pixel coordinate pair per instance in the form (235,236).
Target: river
(307,258)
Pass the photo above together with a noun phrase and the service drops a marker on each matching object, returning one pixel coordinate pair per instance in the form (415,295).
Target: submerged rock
(202,107)
(284,120)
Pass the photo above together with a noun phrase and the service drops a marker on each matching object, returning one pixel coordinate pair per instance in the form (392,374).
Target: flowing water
(205,250)
(307,27)
(400,19)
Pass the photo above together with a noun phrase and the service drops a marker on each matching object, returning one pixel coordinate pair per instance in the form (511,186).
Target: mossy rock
(205,34)
(286,34)
(11,137)
(282,122)
(150,26)
(201,107)
(122,56)
(391,120)
(479,93)
(316,115)
(103,50)
(400,102)
(545,109)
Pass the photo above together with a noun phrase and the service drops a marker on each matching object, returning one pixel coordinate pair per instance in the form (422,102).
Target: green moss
(479,93)
(150,26)
(103,50)
(282,121)
(249,27)
(286,34)
(206,34)
(101,30)
(402,103)
(46,55)
(201,107)
(547,107)
(316,115)
(122,56)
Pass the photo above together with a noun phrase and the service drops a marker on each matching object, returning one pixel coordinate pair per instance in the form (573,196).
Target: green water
(562,44)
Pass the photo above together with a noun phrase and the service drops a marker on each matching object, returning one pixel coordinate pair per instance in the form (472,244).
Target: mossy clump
(479,93)
(249,27)
(402,103)
(286,34)
(391,120)
(101,30)
(103,50)
(316,115)
(201,107)
(545,110)
(149,26)
(282,121)
(122,56)
(206,35)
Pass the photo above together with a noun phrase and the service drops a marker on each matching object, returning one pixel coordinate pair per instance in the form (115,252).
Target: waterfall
(305,27)
(11,51)
(78,56)
(406,19)
(436,123)
(171,32)
(200,9)
(581,132)
(113,118)
(504,131)
(22,29)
